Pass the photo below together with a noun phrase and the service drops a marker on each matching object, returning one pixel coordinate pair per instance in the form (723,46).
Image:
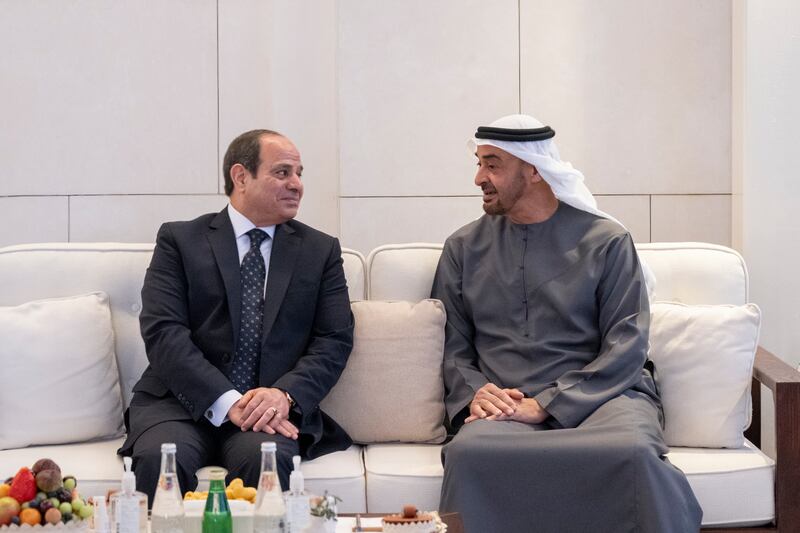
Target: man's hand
(491,400)
(528,411)
(485,406)
(263,409)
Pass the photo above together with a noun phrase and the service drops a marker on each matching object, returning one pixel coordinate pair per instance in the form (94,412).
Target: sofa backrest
(687,272)
(692,273)
(37,271)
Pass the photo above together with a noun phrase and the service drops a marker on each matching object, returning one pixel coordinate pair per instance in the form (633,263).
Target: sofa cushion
(340,473)
(392,388)
(400,474)
(734,487)
(59,381)
(94,464)
(98,469)
(704,361)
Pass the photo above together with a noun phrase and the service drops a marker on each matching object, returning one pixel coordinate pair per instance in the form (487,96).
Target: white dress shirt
(217,414)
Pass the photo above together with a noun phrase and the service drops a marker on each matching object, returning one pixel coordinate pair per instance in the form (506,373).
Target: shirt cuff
(217,414)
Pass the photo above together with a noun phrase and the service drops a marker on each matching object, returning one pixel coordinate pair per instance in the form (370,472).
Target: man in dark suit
(247,325)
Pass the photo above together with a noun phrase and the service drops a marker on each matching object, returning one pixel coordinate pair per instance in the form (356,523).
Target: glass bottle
(270,512)
(167,513)
(217,514)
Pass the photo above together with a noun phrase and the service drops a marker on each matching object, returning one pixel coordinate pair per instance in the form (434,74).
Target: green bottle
(217,515)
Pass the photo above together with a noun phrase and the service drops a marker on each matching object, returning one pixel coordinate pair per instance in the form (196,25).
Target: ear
(533,174)
(239,175)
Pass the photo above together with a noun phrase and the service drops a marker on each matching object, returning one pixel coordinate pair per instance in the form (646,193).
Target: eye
(283,173)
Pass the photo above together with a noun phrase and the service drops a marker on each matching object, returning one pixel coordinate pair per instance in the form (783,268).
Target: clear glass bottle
(217,515)
(270,512)
(167,513)
(129,506)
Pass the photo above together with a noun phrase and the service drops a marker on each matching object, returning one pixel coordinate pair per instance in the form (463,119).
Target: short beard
(495,209)
(514,194)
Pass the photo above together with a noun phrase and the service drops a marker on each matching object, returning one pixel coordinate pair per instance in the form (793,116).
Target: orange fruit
(5,488)
(30,516)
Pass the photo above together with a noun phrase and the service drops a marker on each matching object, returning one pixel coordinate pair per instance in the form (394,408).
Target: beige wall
(767,188)
(116,116)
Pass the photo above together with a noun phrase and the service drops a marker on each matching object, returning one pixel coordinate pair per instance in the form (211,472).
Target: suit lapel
(226,254)
(285,251)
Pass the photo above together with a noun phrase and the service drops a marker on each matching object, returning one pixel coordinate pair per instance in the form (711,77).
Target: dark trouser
(201,444)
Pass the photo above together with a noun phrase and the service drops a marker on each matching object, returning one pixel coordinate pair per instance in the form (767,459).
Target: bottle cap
(168,447)
(268,447)
(296,481)
(128,477)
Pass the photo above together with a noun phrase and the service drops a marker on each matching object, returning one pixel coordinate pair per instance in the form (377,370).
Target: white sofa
(736,487)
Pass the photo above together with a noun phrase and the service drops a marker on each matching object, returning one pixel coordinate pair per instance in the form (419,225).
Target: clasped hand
(263,409)
(493,403)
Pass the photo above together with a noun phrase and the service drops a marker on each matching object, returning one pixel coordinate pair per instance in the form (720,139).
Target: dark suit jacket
(191,307)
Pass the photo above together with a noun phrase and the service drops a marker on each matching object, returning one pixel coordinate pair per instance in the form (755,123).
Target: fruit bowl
(40,496)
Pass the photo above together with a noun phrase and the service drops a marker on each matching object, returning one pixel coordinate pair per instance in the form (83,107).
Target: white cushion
(354,266)
(704,362)
(95,464)
(687,272)
(402,271)
(59,381)
(340,473)
(734,487)
(392,388)
(28,272)
(400,474)
(696,272)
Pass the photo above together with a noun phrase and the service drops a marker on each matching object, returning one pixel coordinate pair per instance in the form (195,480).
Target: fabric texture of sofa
(393,463)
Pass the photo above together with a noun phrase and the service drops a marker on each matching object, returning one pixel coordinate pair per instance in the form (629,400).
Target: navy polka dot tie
(245,366)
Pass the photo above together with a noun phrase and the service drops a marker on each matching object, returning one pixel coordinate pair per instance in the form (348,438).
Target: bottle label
(128,515)
(298,512)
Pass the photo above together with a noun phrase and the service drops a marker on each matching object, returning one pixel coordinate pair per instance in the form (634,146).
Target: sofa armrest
(784,382)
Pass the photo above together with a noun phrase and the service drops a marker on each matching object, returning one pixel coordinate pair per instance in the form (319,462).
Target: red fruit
(23,486)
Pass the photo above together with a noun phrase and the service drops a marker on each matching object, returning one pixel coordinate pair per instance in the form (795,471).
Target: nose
(294,183)
(480,177)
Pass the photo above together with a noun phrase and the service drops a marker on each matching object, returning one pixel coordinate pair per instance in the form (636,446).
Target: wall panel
(28,219)
(639,93)
(108,97)
(415,79)
(703,218)
(134,218)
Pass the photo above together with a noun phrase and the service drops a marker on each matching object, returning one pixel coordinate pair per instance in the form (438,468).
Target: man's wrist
(289,398)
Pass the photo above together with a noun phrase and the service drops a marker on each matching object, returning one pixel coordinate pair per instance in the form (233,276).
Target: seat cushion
(94,464)
(399,474)
(97,468)
(734,487)
(341,474)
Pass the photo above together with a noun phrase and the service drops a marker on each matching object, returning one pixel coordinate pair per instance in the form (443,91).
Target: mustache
(488,188)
